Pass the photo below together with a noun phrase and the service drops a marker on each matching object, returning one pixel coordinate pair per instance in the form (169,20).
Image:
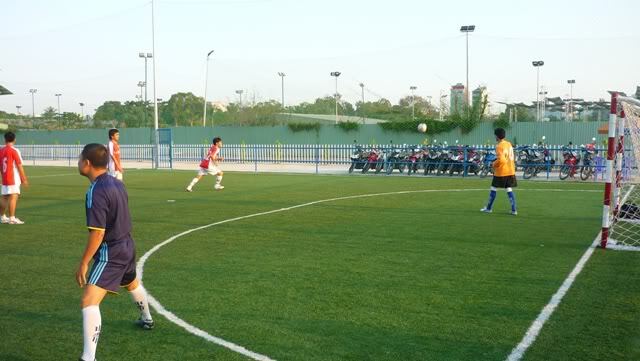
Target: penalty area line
(230,345)
(534,330)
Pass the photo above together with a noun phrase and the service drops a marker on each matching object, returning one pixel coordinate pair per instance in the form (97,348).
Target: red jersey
(9,160)
(213,153)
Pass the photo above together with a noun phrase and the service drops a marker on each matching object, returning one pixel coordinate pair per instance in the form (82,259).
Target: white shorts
(212,170)
(116,174)
(6,190)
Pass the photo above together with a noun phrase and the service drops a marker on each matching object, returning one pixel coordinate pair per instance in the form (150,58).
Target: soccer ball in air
(422,128)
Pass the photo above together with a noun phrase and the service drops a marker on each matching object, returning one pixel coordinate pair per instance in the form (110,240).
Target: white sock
(218,179)
(139,296)
(193,182)
(91,326)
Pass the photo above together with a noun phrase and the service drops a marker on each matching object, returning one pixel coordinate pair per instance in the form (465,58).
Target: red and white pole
(611,153)
(619,160)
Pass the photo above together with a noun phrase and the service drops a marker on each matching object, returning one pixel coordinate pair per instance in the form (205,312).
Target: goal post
(621,208)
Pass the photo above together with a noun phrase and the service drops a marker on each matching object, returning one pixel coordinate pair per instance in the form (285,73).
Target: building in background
(457,99)
(478,96)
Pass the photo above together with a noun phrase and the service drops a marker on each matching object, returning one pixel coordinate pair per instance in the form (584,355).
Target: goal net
(621,215)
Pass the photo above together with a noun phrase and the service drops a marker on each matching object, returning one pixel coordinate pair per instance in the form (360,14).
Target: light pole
(442,105)
(571,82)
(141,85)
(82,110)
(467,29)
(413,102)
(543,106)
(33,103)
(537,64)
(18,108)
(206,83)
(362,104)
(336,74)
(282,75)
(146,57)
(59,113)
(239,92)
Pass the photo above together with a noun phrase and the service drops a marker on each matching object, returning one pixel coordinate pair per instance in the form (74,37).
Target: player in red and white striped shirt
(209,165)
(12,177)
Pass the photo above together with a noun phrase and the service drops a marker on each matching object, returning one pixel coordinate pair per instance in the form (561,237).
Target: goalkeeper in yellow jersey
(504,172)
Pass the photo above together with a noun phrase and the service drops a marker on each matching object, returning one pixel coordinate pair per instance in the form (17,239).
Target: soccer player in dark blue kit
(109,244)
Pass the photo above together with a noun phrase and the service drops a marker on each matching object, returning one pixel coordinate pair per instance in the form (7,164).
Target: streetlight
(239,92)
(467,29)
(413,102)
(206,82)
(571,82)
(336,74)
(82,110)
(537,64)
(282,75)
(33,107)
(18,108)
(362,104)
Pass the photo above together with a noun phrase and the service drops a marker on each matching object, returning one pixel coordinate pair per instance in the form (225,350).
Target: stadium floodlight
(282,75)
(537,64)
(466,29)
(570,105)
(18,108)
(33,107)
(82,109)
(363,115)
(336,74)
(146,57)
(206,83)
(59,95)
(413,102)
(239,92)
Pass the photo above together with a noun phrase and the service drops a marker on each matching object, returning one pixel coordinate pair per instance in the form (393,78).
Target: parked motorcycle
(588,166)
(534,160)
(375,161)
(358,158)
(570,164)
(487,163)
(394,161)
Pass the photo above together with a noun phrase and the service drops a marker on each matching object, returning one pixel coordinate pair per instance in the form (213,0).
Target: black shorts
(504,182)
(114,265)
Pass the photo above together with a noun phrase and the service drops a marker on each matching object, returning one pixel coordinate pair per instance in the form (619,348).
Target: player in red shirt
(209,165)
(13,176)
(115,166)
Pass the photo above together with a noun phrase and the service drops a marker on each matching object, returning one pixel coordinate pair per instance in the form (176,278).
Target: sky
(88,50)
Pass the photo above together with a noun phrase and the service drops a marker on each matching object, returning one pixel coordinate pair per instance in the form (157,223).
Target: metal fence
(309,155)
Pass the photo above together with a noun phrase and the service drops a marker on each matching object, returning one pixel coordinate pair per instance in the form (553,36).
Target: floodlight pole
(155,82)
(206,83)
(82,110)
(537,64)
(336,74)
(33,103)
(58,95)
(239,92)
(570,105)
(146,57)
(362,104)
(18,108)
(467,29)
(413,102)
(282,75)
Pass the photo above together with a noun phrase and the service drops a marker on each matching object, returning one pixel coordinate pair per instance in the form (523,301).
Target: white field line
(534,330)
(237,348)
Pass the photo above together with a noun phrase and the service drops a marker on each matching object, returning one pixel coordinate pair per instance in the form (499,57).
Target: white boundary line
(256,356)
(534,330)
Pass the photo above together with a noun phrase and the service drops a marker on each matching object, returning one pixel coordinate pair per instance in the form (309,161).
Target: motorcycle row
(438,160)
(465,160)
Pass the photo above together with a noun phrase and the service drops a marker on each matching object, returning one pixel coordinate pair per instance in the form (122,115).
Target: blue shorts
(114,265)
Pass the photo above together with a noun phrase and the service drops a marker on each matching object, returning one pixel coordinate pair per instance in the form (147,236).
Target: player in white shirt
(115,165)
(209,165)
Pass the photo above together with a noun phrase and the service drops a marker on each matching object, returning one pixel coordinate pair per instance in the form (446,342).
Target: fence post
(255,158)
(465,164)
(317,157)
